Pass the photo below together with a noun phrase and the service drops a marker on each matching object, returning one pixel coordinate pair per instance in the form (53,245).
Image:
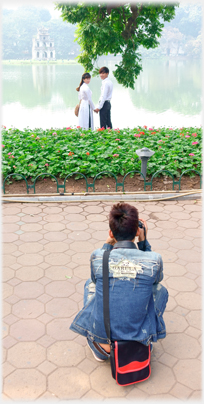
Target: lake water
(167,93)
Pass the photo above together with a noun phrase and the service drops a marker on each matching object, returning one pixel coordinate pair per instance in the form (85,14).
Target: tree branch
(131,24)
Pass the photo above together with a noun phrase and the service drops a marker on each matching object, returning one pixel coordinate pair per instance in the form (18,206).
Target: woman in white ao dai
(86,106)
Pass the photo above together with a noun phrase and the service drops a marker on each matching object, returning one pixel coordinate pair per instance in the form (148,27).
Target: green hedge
(63,151)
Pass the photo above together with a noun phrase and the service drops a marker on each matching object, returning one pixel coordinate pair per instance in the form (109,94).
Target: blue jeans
(158,294)
(89,291)
(159,304)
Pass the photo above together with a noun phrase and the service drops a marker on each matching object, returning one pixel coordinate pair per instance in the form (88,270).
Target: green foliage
(64,151)
(18,28)
(112,29)
(20,25)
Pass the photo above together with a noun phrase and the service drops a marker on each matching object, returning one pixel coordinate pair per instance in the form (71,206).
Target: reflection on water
(167,93)
(43,79)
(176,85)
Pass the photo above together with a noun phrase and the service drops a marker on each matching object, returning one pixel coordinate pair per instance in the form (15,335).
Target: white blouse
(86,94)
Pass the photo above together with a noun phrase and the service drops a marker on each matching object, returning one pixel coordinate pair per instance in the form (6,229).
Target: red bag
(130,362)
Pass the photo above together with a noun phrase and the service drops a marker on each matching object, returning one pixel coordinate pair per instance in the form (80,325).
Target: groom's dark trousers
(105,115)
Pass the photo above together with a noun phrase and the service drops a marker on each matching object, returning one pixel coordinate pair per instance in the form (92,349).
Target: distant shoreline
(38,62)
(74,62)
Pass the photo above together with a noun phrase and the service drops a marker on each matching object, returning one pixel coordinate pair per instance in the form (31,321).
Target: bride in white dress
(86,105)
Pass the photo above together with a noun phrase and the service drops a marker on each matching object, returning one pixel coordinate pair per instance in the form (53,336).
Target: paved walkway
(46,251)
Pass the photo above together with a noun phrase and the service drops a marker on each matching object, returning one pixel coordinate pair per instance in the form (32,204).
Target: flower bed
(63,151)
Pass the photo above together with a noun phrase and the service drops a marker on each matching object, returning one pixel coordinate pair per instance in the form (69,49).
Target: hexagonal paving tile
(181,346)
(28,308)
(79,235)
(25,384)
(6,309)
(26,355)
(54,226)
(31,236)
(174,269)
(74,218)
(52,210)
(57,259)
(60,288)
(8,248)
(56,247)
(174,322)
(190,255)
(10,228)
(53,218)
(27,330)
(97,218)
(82,246)
(68,383)
(189,300)
(33,227)
(7,290)
(73,209)
(30,248)
(7,273)
(82,272)
(61,307)
(101,226)
(194,318)
(59,329)
(28,290)
(102,381)
(30,259)
(66,353)
(75,226)
(8,260)
(11,210)
(55,236)
(182,284)
(59,272)
(29,273)
(93,209)
(188,372)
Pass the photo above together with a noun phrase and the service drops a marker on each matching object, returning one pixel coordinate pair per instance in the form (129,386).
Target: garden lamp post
(144,155)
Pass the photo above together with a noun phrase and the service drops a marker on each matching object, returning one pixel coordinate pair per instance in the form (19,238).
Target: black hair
(123,221)
(84,76)
(104,69)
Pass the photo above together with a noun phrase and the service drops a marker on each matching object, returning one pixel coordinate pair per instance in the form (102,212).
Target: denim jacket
(134,289)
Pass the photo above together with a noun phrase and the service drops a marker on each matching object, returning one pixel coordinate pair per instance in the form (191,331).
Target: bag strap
(106,313)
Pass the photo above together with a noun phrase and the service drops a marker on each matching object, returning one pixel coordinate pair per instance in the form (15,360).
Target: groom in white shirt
(104,106)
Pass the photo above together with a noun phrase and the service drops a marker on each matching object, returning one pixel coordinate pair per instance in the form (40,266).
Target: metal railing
(88,185)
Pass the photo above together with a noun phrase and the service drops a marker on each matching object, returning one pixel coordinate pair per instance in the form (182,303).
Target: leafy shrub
(63,151)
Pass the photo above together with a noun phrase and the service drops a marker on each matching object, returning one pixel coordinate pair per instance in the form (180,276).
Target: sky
(48,4)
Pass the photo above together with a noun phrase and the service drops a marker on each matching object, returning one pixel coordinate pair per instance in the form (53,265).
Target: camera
(142,226)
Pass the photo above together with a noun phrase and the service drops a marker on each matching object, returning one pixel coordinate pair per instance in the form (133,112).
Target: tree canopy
(117,29)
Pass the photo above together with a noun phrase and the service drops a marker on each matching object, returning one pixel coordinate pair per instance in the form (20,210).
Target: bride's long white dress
(85,95)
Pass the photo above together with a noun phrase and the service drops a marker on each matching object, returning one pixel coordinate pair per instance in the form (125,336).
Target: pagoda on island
(43,46)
